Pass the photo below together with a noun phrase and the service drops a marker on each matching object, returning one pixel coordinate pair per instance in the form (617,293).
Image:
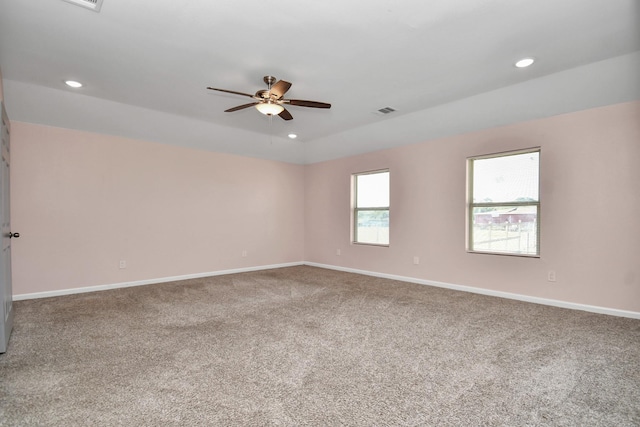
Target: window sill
(504,254)
(380,245)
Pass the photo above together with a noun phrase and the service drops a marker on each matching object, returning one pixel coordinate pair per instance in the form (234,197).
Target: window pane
(512,178)
(505,229)
(372,227)
(372,190)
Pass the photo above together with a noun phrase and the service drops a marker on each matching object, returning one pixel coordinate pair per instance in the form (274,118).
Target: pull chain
(271,128)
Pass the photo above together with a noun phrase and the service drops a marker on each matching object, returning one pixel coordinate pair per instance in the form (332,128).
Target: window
(371,208)
(503,203)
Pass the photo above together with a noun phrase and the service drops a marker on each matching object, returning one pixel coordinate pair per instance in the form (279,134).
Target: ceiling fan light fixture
(269,108)
(269,102)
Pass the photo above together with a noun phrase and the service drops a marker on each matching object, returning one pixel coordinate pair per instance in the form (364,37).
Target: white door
(6,301)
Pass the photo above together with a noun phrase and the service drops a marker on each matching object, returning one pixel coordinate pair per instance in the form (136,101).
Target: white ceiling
(446,66)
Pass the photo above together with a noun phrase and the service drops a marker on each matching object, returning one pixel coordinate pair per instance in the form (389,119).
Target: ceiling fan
(270,101)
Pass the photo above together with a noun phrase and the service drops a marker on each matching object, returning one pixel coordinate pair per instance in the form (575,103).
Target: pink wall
(82,202)
(590,210)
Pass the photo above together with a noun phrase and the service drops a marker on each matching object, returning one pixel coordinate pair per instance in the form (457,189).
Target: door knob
(16,235)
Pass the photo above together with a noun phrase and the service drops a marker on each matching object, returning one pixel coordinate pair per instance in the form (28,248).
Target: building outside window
(371,208)
(503,203)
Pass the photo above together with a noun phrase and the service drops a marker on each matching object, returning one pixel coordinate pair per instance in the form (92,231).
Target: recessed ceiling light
(525,62)
(292,136)
(73,84)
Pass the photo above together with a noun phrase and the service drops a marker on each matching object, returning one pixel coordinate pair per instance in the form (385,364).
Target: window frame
(355,208)
(470,205)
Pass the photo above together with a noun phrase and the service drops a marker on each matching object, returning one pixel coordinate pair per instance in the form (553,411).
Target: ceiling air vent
(94,5)
(385,110)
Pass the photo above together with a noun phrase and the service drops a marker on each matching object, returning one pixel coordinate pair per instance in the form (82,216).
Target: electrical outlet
(338,252)
(551,276)
(244,253)
(416,260)
(123,263)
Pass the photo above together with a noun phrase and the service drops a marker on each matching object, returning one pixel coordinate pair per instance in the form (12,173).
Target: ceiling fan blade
(285,115)
(230,91)
(241,107)
(303,103)
(280,88)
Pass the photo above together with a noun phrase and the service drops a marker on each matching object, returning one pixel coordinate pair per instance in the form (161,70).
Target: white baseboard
(61,292)
(472,289)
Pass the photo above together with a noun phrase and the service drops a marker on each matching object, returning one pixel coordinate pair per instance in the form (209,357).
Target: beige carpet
(305,346)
